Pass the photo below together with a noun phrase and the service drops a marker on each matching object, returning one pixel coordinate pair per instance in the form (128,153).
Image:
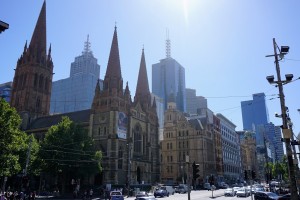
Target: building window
(137,140)
(120,160)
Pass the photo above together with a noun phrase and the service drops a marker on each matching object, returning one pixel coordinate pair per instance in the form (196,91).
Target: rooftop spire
(38,39)
(142,88)
(168,45)
(87,47)
(113,66)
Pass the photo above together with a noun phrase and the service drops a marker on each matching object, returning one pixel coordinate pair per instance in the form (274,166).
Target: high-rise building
(254,112)
(5,91)
(168,76)
(193,102)
(230,149)
(76,92)
(31,90)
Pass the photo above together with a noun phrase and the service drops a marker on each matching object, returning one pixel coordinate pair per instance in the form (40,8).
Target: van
(170,189)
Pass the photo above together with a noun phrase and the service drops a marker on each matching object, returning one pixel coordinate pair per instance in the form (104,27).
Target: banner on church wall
(122,123)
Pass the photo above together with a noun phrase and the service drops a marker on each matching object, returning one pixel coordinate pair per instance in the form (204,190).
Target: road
(198,195)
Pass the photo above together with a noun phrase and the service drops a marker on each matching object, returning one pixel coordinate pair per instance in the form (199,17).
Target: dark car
(285,197)
(265,196)
(160,192)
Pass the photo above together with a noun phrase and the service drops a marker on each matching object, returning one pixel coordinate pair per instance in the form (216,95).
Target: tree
(67,152)
(12,140)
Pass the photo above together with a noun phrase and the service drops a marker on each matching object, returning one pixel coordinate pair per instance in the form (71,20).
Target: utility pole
(285,130)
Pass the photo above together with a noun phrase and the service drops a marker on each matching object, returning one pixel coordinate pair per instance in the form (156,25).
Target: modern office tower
(273,135)
(279,152)
(254,112)
(5,91)
(231,149)
(194,102)
(76,92)
(160,113)
(168,76)
(32,82)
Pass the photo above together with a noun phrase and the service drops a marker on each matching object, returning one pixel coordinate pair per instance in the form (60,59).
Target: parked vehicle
(242,192)
(229,192)
(235,189)
(160,192)
(265,196)
(170,189)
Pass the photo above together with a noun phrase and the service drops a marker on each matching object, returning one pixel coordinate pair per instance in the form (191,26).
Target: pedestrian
(91,193)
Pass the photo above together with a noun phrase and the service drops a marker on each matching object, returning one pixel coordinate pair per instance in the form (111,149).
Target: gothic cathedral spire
(142,92)
(113,81)
(32,82)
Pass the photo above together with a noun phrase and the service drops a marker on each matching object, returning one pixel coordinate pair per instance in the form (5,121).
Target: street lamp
(285,129)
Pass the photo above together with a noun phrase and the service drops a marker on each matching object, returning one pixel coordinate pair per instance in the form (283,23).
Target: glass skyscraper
(168,77)
(76,92)
(254,112)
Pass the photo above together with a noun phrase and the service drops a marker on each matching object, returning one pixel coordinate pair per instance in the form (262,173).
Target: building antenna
(168,45)
(87,47)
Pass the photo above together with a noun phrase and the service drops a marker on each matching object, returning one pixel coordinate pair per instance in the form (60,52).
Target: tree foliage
(13,142)
(68,150)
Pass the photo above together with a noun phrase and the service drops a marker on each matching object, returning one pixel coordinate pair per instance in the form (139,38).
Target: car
(146,198)
(242,192)
(235,189)
(160,192)
(116,195)
(286,197)
(265,196)
(182,189)
(170,189)
(207,186)
(229,192)
(141,194)
(177,189)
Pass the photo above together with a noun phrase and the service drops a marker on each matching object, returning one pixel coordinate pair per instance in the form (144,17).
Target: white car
(242,192)
(229,192)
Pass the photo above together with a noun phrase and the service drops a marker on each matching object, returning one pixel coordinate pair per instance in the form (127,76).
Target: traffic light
(253,174)
(195,170)
(245,175)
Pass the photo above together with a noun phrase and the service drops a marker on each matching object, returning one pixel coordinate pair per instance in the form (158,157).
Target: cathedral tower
(109,119)
(32,82)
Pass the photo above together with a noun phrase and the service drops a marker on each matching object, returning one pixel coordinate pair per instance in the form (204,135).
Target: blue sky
(221,43)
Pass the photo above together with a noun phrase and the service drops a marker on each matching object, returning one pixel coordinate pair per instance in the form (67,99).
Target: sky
(222,44)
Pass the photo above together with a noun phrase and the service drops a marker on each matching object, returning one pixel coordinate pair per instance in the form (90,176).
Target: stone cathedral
(125,131)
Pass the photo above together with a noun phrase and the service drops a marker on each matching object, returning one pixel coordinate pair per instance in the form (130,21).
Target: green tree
(68,152)
(12,140)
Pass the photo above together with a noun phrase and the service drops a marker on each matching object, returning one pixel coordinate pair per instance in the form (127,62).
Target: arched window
(137,139)
(41,81)
(46,84)
(38,104)
(35,80)
(24,81)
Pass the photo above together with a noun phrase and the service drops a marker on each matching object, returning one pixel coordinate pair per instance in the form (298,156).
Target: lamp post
(286,132)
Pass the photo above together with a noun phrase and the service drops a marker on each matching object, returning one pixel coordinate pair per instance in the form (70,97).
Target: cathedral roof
(38,39)
(48,121)
(114,66)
